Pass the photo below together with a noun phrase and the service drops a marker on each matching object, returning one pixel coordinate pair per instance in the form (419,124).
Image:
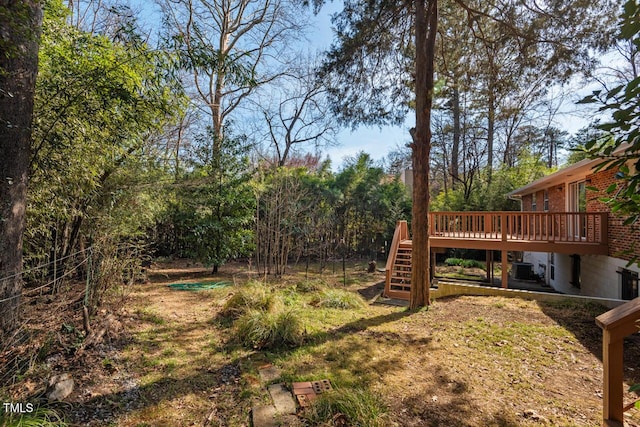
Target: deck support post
(612,364)
(432,268)
(505,270)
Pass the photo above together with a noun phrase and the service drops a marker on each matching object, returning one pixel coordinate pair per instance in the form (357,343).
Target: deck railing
(616,324)
(550,227)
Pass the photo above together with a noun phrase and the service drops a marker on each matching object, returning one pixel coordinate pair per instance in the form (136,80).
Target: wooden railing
(616,324)
(549,227)
(401,233)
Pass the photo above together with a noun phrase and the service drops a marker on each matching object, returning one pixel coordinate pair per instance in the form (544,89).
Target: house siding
(599,275)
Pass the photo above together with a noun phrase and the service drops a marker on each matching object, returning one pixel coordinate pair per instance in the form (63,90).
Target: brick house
(572,190)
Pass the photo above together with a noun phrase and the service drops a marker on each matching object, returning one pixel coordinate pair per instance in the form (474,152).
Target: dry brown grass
(467,361)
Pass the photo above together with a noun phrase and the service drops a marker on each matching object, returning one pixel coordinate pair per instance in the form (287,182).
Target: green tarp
(198,286)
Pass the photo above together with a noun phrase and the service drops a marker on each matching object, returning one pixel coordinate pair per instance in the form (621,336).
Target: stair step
(400,277)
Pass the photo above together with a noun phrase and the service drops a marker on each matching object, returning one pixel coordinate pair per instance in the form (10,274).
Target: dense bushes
(466,263)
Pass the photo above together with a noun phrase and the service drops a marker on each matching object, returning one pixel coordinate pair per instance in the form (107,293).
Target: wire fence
(40,327)
(46,285)
(42,266)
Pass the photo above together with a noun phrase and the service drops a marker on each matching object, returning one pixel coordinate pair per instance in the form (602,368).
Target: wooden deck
(582,233)
(560,232)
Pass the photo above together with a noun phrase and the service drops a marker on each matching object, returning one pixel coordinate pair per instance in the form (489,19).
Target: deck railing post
(616,324)
(504,225)
(612,368)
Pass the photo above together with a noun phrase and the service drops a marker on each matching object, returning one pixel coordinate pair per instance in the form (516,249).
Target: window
(575,271)
(629,284)
(533,202)
(546,200)
(578,203)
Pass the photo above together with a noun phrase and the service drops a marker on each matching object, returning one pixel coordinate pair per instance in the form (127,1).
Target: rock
(269,373)
(60,386)
(372,267)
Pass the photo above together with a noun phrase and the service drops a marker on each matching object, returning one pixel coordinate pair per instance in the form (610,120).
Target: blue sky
(375,141)
(379,141)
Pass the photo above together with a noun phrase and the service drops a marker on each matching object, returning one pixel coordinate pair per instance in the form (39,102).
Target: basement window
(629,280)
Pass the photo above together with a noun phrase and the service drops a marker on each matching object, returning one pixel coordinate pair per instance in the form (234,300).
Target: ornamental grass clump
(252,296)
(356,408)
(338,298)
(260,329)
(307,286)
(38,417)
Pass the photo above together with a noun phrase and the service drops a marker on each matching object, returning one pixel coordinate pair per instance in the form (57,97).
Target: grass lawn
(466,361)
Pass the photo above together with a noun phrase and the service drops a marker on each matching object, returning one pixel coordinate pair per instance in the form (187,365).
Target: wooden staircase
(401,270)
(398,268)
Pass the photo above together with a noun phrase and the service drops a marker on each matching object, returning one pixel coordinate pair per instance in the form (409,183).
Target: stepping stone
(264,416)
(269,373)
(282,399)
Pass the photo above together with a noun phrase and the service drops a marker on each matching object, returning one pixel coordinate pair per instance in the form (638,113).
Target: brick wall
(557,198)
(624,240)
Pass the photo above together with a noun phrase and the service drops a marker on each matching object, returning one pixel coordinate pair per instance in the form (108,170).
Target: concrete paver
(282,399)
(264,416)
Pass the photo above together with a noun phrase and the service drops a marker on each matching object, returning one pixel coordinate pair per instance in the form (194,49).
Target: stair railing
(401,233)
(616,324)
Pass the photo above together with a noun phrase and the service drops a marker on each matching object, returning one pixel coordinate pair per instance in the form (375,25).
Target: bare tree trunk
(491,122)
(20,31)
(425,27)
(455,149)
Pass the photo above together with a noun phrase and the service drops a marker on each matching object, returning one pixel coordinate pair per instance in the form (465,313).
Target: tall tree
(230,48)
(98,104)
(20,23)
(426,25)
(385,51)
(620,144)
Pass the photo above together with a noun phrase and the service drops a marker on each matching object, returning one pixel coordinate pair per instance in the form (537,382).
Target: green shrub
(261,329)
(338,298)
(358,408)
(472,263)
(252,296)
(466,263)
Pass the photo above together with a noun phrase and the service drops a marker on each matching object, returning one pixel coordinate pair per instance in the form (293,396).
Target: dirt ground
(466,361)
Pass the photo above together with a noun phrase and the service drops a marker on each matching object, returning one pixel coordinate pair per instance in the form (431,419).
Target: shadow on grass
(580,320)
(358,326)
(221,385)
(448,402)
